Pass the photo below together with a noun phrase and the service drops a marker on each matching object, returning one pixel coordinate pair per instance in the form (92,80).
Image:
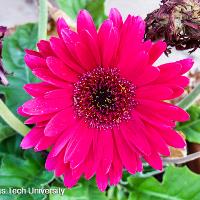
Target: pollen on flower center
(103,98)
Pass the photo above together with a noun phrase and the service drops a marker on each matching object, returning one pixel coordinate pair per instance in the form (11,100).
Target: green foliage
(85,190)
(95,7)
(21,169)
(179,183)
(25,37)
(5,131)
(192,128)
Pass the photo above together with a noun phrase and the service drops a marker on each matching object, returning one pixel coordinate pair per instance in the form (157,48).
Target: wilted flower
(178,22)
(100,103)
(3,79)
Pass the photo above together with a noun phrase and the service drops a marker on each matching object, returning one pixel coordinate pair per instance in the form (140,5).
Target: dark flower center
(103,98)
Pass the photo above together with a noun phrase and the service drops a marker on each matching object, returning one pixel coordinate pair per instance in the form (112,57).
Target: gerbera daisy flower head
(100,104)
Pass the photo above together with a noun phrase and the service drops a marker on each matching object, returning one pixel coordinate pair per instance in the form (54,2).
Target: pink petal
(138,132)
(129,44)
(20,112)
(38,89)
(115,173)
(44,143)
(34,62)
(63,139)
(186,64)
(154,160)
(69,181)
(60,25)
(92,44)
(166,110)
(130,67)
(51,162)
(149,75)
(32,138)
(102,181)
(168,71)
(85,57)
(172,138)
(156,51)
(53,102)
(62,52)
(45,48)
(40,118)
(78,147)
(61,70)
(157,141)
(47,76)
(116,17)
(181,81)
(153,118)
(85,22)
(127,156)
(109,42)
(33,53)
(60,122)
(107,146)
(70,39)
(154,92)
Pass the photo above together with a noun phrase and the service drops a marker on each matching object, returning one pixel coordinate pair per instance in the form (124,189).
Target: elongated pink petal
(107,158)
(60,122)
(34,62)
(154,92)
(116,17)
(44,143)
(53,102)
(47,76)
(32,138)
(85,57)
(132,66)
(85,22)
(186,64)
(156,51)
(159,144)
(109,41)
(127,156)
(92,44)
(61,70)
(102,181)
(60,25)
(62,52)
(63,140)
(38,89)
(45,48)
(154,160)
(40,118)
(81,150)
(166,110)
(168,134)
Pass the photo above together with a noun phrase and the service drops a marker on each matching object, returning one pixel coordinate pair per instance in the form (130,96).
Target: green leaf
(179,183)
(191,128)
(85,190)
(95,7)
(5,131)
(25,37)
(22,169)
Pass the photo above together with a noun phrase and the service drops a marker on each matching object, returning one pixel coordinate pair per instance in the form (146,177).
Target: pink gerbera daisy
(100,105)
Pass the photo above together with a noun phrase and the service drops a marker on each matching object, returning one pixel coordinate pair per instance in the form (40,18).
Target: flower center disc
(103,98)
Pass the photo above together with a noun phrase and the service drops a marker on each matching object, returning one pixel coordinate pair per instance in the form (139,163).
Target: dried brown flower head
(3,79)
(178,22)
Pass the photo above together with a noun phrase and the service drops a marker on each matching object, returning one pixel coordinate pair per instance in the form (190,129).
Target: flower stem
(190,99)
(43,20)
(12,120)
(182,160)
